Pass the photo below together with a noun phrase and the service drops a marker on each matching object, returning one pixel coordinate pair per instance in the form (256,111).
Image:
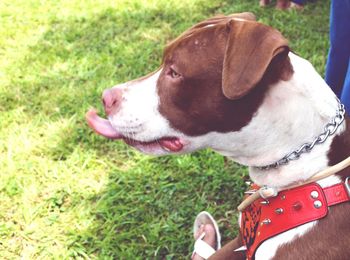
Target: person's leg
(228,251)
(264,3)
(339,51)
(282,4)
(209,237)
(299,2)
(345,96)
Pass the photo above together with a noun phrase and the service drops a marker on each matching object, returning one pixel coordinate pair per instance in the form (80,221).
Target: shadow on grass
(148,211)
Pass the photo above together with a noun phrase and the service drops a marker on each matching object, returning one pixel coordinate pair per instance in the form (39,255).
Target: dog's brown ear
(249,50)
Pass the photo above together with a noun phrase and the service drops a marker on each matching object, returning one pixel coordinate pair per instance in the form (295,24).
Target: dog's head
(211,82)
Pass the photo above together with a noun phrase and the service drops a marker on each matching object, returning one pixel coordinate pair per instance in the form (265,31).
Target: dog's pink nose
(111,99)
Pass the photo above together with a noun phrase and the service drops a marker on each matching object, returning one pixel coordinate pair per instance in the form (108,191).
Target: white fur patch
(268,249)
(138,116)
(305,105)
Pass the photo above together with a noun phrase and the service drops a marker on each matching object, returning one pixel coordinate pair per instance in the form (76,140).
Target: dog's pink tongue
(172,144)
(101,126)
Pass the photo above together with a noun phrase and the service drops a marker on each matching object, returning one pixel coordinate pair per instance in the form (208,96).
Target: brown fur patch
(195,104)
(340,149)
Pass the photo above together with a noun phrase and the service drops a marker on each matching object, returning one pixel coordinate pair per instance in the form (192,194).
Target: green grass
(68,193)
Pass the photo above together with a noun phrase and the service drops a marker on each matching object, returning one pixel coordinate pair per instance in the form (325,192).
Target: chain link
(329,129)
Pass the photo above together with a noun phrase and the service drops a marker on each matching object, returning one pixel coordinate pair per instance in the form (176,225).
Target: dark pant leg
(345,97)
(299,2)
(339,52)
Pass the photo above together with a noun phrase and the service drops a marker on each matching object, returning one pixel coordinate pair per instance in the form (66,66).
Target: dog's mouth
(103,127)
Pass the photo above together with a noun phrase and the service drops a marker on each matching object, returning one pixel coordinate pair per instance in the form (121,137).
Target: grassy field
(68,193)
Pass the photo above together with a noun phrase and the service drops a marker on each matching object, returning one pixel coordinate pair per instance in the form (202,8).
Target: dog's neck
(293,112)
(305,105)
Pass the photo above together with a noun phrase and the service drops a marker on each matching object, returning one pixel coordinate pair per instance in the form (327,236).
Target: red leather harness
(266,218)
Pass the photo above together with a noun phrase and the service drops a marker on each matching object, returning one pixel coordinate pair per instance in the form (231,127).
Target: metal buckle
(268,192)
(347,185)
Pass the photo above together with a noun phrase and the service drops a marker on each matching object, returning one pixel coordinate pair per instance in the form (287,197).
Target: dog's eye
(174,74)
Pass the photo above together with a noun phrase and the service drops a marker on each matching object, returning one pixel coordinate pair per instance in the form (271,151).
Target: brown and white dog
(231,84)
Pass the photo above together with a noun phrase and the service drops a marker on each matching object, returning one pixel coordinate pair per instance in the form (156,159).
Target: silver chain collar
(329,129)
